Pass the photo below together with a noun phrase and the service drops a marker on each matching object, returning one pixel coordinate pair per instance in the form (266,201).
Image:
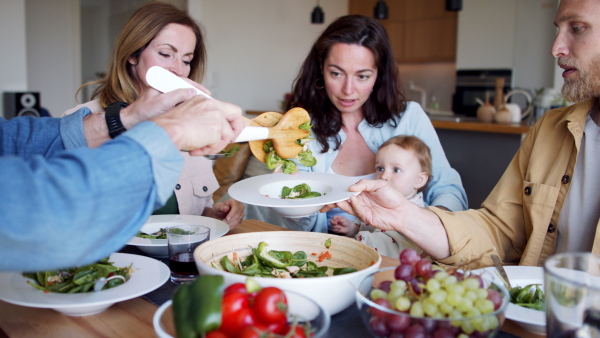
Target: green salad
(80,279)
(288,166)
(529,296)
(300,191)
(160,234)
(231,151)
(279,264)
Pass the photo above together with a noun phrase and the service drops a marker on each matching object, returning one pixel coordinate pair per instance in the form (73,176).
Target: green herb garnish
(300,191)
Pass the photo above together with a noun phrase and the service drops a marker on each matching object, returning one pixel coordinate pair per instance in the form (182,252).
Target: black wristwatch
(113,119)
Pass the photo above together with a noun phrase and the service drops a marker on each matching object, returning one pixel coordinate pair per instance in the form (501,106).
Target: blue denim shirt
(444,189)
(64,204)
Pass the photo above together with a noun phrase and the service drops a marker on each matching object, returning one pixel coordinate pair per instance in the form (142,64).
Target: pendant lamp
(317,15)
(380,11)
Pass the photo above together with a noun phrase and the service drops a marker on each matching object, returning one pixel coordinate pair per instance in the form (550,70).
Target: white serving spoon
(165,81)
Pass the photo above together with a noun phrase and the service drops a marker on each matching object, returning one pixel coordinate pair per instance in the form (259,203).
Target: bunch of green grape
(432,301)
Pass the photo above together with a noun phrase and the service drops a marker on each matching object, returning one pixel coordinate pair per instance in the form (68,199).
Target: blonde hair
(418,147)
(139,31)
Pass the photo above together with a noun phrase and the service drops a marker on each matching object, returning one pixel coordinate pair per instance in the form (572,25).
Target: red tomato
(297,331)
(216,334)
(231,305)
(270,306)
(233,323)
(253,332)
(236,287)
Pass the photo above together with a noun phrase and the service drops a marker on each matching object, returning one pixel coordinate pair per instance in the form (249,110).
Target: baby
(405,162)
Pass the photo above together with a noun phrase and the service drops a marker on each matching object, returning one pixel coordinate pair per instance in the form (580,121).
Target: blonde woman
(160,34)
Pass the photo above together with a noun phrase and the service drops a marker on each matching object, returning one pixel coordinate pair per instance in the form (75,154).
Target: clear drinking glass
(572,295)
(182,240)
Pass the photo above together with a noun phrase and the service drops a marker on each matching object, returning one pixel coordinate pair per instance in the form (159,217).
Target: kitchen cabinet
(420,31)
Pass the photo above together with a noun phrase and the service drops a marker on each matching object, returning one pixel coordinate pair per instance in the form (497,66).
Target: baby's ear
(421,180)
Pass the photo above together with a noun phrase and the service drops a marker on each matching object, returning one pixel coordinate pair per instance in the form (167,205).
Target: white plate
(531,320)
(147,275)
(158,247)
(265,191)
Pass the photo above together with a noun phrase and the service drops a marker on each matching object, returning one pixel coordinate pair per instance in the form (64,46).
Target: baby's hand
(342,225)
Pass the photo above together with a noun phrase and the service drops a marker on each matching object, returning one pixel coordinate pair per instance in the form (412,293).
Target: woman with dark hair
(349,84)
(160,34)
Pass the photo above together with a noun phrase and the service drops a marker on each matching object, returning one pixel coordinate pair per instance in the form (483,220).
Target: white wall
(486,33)
(255,48)
(512,34)
(54,52)
(13,68)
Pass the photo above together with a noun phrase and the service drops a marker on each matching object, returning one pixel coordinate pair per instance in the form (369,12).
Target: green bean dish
(79,279)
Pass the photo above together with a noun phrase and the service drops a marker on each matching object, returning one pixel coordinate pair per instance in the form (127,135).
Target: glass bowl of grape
(418,299)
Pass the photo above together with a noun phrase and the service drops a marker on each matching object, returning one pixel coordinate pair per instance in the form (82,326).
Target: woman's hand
(229,211)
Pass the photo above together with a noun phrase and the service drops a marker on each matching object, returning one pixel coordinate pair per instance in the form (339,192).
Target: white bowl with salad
(341,261)
(152,238)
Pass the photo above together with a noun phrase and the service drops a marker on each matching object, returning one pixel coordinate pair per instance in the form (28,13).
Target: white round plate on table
(147,275)
(158,247)
(265,191)
(529,319)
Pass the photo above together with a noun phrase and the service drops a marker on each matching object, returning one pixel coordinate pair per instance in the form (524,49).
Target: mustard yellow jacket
(520,216)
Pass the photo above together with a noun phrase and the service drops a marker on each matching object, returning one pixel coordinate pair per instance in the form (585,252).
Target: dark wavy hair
(386,102)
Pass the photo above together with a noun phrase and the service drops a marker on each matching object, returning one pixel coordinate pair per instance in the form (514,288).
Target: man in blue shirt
(65,204)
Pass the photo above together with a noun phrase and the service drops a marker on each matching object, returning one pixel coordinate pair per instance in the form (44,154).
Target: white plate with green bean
(147,275)
(157,247)
(521,276)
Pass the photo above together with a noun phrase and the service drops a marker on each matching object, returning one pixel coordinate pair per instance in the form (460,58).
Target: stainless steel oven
(473,84)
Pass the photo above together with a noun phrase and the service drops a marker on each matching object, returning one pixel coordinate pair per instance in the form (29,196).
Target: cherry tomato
(297,331)
(236,287)
(253,332)
(232,304)
(235,322)
(216,334)
(270,306)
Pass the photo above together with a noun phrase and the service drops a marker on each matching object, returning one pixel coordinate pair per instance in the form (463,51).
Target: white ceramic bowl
(298,305)
(158,247)
(335,293)
(265,191)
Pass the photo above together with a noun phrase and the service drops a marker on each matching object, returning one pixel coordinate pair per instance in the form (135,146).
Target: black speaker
(453,5)
(21,104)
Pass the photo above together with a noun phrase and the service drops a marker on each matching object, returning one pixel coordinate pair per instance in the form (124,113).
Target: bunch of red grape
(429,301)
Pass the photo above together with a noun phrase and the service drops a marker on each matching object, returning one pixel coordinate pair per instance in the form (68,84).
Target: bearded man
(548,199)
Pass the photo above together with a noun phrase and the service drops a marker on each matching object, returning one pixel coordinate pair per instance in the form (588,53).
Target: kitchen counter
(473,125)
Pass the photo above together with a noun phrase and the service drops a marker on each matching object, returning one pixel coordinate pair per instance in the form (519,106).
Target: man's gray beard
(586,87)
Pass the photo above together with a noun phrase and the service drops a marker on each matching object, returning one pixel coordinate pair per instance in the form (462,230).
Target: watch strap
(113,118)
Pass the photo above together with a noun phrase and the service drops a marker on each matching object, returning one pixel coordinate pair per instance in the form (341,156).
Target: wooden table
(132,318)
